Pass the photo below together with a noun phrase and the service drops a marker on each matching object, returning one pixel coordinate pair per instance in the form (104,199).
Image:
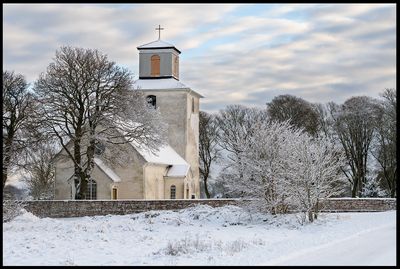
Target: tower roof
(158,44)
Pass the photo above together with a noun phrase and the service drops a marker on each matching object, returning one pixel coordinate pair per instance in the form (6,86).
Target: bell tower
(178,103)
(158,59)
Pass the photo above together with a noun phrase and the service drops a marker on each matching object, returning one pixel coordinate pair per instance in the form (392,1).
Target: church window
(173,192)
(155,65)
(99,148)
(91,190)
(151,100)
(192,105)
(114,194)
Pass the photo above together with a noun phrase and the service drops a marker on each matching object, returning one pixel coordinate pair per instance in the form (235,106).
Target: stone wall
(78,208)
(358,204)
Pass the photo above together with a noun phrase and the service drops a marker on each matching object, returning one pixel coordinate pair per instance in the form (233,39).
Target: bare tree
(16,112)
(298,111)
(353,123)
(41,171)
(86,99)
(384,148)
(208,148)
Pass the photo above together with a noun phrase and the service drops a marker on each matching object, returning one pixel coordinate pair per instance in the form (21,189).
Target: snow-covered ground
(202,235)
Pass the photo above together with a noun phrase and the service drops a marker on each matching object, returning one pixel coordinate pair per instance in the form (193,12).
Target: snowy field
(202,235)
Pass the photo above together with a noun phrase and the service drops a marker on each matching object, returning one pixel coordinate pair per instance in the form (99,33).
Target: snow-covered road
(369,247)
(202,235)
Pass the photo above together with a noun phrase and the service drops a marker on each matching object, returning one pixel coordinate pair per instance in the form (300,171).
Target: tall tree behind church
(17,102)
(208,149)
(354,125)
(384,148)
(84,98)
(298,111)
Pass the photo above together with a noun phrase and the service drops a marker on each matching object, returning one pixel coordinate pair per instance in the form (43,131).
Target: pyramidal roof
(158,44)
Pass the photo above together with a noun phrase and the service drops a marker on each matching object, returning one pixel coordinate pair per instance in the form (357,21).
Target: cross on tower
(159,31)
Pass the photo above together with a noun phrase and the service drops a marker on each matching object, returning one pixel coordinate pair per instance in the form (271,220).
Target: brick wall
(78,208)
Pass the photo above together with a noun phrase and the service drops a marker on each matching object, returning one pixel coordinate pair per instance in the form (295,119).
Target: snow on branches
(283,168)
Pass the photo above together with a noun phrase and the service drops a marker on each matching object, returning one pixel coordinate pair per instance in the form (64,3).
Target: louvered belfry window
(155,65)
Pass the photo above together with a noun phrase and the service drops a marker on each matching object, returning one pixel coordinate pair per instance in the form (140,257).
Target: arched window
(192,105)
(151,100)
(114,193)
(91,190)
(173,192)
(155,65)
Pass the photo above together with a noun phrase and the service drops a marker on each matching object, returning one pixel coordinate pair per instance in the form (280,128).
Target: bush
(11,209)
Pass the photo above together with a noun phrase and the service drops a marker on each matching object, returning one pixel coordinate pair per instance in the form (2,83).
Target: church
(171,173)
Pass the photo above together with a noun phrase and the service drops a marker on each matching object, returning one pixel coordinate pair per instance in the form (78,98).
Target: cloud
(243,54)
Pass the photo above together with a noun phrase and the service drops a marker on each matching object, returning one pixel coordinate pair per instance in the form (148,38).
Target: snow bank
(200,235)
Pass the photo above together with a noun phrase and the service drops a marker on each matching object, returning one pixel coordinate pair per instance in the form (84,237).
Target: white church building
(172,173)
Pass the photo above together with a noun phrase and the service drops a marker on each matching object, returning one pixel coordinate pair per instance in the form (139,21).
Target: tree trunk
(90,163)
(7,157)
(80,184)
(206,189)
(310,216)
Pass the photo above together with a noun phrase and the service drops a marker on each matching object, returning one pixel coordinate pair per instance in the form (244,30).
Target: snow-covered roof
(166,155)
(107,170)
(178,170)
(164,83)
(161,84)
(157,44)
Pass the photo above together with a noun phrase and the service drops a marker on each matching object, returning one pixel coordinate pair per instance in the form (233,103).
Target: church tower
(178,104)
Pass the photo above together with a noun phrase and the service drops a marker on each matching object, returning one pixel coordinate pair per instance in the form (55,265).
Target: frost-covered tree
(235,124)
(313,173)
(87,99)
(353,123)
(286,168)
(265,153)
(17,109)
(208,147)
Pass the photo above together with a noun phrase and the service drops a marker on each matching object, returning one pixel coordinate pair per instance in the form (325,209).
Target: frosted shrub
(371,188)
(235,246)
(187,245)
(285,169)
(11,209)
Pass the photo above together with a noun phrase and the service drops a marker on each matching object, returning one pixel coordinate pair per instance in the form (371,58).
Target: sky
(231,53)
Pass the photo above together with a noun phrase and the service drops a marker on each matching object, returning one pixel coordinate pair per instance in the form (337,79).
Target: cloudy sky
(231,54)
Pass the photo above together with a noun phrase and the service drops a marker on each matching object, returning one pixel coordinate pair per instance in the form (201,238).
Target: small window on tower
(151,101)
(192,105)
